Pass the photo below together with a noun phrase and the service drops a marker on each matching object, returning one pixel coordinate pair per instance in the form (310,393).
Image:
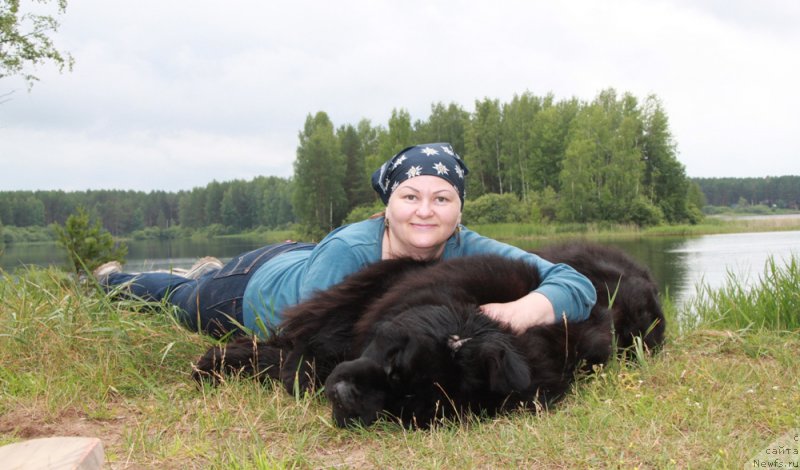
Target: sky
(170,95)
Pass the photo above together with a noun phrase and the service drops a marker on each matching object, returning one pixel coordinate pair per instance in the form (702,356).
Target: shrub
(644,213)
(30,234)
(694,215)
(158,233)
(364,211)
(88,244)
(545,205)
(493,209)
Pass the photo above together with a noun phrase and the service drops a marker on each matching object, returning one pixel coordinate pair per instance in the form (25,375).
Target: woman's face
(422,213)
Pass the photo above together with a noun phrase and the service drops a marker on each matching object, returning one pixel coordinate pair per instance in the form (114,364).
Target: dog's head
(426,363)
(636,312)
(357,392)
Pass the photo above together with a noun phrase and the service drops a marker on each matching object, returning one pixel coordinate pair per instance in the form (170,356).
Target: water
(143,255)
(677,263)
(680,264)
(713,259)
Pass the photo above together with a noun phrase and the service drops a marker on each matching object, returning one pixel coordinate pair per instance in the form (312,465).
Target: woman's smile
(422,214)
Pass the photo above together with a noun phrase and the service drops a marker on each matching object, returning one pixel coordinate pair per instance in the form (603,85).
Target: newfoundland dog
(405,339)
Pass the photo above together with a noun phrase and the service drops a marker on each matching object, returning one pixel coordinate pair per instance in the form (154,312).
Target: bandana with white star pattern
(427,159)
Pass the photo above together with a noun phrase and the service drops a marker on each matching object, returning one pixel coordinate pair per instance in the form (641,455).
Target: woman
(423,189)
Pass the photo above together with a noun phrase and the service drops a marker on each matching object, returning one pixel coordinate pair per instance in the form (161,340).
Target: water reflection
(677,263)
(143,255)
(666,263)
(712,258)
(661,255)
(148,255)
(680,264)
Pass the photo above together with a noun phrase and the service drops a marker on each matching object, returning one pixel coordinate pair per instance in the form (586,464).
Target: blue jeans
(212,303)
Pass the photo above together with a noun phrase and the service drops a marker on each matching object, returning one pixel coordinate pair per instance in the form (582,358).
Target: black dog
(405,338)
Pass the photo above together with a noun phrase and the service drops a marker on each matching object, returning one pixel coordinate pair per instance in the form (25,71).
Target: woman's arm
(563,292)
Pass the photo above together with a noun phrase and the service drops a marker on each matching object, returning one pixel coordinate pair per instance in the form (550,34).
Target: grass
(772,302)
(606,231)
(72,363)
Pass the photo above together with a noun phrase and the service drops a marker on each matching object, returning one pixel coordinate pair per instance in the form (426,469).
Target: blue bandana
(427,159)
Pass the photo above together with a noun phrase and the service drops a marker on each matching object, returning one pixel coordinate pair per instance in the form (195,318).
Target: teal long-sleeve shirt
(294,276)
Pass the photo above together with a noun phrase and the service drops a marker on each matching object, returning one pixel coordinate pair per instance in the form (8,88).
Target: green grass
(607,231)
(72,363)
(772,302)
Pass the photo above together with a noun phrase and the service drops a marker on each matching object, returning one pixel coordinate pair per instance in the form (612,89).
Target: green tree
(664,176)
(602,167)
(239,205)
(521,143)
(624,166)
(88,244)
(696,196)
(399,135)
(276,202)
(25,40)
(445,124)
(230,217)
(28,211)
(551,129)
(545,204)
(191,208)
(58,205)
(578,202)
(213,208)
(319,199)
(371,137)
(483,144)
(356,184)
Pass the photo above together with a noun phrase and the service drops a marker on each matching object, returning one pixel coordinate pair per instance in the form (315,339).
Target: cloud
(139,160)
(228,87)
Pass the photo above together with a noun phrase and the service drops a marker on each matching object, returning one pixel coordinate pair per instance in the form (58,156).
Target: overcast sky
(173,94)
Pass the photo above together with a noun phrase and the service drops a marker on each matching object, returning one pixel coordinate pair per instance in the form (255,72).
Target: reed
(772,301)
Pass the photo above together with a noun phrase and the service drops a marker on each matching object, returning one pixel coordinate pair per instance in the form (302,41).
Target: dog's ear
(394,352)
(507,369)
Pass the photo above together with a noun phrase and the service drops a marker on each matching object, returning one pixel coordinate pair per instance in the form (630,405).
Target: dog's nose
(342,393)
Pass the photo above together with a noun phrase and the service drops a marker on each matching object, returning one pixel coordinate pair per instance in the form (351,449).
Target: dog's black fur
(406,339)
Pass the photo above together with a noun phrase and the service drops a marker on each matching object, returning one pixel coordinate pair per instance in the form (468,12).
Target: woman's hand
(533,309)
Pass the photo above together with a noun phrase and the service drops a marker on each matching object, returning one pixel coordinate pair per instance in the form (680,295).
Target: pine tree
(88,245)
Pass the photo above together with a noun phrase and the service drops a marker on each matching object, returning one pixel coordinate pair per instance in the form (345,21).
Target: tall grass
(64,342)
(74,363)
(602,231)
(772,302)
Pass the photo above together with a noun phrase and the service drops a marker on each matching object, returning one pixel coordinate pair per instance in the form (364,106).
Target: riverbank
(73,363)
(711,225)
(715,224)
(662,249)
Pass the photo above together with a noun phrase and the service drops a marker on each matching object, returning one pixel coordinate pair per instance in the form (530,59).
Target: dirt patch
(24,424)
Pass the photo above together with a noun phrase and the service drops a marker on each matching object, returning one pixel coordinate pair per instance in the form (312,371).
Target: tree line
(781,192)
(610,159)
(237,205)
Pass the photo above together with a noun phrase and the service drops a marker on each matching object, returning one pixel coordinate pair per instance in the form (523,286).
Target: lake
(677,263)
